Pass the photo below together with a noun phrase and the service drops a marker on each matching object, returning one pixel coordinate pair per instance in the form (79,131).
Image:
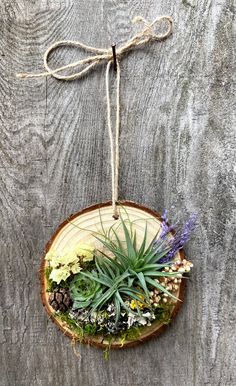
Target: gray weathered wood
(177,142)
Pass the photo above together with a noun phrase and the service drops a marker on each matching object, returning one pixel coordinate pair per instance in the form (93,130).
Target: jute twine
(147,35)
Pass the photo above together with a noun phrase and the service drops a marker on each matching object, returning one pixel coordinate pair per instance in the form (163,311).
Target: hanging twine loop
(102,54)
(146,35)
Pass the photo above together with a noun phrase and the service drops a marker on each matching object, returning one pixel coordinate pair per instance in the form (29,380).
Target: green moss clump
(163,312)
(91,329)
(51,285)
(132,333)
(65,317)
(106,352)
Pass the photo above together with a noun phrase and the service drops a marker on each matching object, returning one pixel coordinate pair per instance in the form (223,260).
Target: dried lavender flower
(180,238)
(165,227)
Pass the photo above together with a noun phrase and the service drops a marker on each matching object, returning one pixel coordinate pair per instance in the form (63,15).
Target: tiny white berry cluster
(171,283)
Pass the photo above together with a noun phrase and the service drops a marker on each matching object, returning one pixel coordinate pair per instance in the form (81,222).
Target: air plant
(131,270)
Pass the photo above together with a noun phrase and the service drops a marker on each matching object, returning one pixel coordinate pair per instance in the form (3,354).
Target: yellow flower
(84,250)
(133,304)
(52,258)
(68,258)
(75,268)
(58,275)
(50,255)
(66,263)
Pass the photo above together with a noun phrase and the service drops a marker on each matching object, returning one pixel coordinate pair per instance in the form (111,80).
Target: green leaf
(122,258)
(119,243)
(143,245)
(142,282)
(125,275)
(103,299)
(132,295)
(156,267)
(135,243)
(97,263)
(117,306)
(107,269)
(106,282)
(158,273)
(154,257)
(114,263)
(130,281)
(124,305)
(80,304)
(150,246)
(130,247)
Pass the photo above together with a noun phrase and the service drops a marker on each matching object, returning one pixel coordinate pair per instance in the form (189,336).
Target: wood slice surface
(79,228)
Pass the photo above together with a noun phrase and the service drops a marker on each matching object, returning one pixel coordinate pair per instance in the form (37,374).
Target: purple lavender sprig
(180,238)
(165,227)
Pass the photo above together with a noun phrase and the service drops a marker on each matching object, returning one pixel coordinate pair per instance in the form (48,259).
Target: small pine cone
(60,299)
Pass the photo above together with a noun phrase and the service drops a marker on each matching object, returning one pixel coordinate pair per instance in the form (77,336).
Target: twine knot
(101,54)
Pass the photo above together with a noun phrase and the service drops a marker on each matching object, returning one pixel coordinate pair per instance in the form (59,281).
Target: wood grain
(177,152)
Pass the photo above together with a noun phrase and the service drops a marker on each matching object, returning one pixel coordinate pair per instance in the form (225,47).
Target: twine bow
(143,37)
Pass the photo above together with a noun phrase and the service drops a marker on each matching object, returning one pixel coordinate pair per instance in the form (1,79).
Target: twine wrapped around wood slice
(79,228)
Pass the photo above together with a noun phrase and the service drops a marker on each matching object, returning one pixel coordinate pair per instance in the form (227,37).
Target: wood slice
(78,228)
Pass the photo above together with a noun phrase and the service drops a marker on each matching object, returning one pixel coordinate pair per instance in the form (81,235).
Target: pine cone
(60,299)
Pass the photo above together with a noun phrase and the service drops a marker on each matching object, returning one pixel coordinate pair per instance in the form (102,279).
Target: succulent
(84,291)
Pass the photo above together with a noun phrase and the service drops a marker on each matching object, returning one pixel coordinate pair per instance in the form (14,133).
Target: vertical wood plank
(177,152)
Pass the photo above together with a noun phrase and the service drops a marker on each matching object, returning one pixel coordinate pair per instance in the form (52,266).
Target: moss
(51,285)
(65,317)
(106,352)
(88,265)
(163,312)
(91,329)
(132,333)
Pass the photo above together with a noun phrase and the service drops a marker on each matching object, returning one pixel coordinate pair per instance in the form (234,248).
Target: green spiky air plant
(131,270)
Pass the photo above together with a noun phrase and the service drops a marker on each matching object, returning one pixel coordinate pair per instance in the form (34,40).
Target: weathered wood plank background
(177,142)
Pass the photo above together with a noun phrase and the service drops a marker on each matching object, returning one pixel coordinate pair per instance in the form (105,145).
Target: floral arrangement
(120,284)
